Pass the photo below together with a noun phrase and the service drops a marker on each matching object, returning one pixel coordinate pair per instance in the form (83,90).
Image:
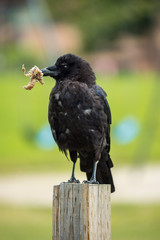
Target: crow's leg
(73,156)
(93,178)
(73,179)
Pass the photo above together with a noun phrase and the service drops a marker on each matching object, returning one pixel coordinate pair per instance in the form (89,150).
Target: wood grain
(81,212)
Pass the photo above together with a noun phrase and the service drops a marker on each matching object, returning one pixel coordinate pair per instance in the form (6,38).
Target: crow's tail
(103,174)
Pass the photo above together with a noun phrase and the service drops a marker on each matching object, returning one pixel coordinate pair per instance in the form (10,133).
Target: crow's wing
(101,93)
(103,169)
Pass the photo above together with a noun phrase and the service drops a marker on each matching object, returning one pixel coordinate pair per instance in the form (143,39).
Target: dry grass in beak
(35,75)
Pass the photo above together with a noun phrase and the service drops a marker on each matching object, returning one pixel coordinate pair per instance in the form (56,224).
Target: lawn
(135,222)
(23,113)
(129,222)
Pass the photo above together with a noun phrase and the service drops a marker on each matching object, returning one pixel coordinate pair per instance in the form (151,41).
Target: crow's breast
(76,116)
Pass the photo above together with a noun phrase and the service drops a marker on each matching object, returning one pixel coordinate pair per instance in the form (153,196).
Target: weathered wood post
(81,212)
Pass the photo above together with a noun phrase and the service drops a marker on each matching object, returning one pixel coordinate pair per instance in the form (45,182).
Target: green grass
(25,223)
(23,113)
(135,222)
(128,222)
(136,95)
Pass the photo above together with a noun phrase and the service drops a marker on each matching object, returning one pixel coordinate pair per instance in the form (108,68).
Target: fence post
(81,212)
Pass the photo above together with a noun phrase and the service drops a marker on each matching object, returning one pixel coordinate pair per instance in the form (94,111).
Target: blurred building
(28,25)
(131,53)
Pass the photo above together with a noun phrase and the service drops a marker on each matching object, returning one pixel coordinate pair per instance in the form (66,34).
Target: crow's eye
(65,66)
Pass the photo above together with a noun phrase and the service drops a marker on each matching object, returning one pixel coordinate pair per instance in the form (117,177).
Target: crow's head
(71,67)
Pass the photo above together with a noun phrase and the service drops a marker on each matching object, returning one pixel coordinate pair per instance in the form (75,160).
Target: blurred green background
(121,40)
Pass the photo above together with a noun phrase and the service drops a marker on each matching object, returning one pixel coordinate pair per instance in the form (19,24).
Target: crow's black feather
(80,116)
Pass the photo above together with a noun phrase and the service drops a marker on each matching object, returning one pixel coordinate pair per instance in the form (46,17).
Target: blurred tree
(103,21)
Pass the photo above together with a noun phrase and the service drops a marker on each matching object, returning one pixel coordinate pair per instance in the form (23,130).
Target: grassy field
(23,113)
(129,222)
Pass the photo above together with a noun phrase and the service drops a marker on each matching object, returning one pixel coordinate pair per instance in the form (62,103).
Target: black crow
(80,118)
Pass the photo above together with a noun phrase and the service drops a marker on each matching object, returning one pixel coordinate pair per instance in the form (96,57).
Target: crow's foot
(73,180)
(91,181)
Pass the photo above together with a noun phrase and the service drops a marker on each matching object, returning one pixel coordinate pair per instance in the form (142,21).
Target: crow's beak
(51,71)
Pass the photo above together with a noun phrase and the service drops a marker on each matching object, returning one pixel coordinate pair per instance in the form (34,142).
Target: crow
(80,117)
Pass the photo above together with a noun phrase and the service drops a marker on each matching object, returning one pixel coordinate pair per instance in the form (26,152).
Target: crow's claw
(73,180)
(91,182)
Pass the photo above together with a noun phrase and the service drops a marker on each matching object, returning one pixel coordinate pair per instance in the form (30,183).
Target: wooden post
(81,212)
